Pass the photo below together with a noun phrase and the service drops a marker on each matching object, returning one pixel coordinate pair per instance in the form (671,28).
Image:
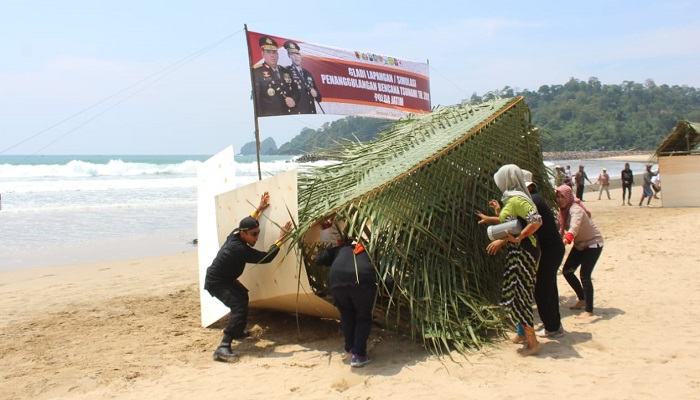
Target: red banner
(295,77)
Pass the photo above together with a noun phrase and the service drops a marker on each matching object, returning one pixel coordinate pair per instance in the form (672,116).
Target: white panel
(680,181)
(277,285)
(214,176)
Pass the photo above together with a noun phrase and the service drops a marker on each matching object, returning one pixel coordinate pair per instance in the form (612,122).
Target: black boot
(224,353)
(243,335)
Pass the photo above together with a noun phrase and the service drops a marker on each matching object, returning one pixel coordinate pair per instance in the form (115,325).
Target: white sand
(130,330)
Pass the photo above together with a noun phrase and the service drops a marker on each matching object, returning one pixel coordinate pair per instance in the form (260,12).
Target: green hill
(578,115)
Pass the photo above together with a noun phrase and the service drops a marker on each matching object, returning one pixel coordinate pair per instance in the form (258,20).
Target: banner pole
(255,103)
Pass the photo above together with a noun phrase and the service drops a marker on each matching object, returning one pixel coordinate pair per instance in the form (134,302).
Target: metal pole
(255,103)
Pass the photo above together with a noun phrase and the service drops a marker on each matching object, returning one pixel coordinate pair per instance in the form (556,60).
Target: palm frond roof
(682,140)
(366,168)
(413,194)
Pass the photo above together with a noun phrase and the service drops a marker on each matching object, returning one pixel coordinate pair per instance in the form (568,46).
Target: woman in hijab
(517,293)
(577,227)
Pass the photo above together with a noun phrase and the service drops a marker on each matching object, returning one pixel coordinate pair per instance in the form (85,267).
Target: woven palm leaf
(413,192)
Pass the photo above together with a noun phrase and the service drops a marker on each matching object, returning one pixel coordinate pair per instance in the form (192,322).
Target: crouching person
(222,276)
(353,284)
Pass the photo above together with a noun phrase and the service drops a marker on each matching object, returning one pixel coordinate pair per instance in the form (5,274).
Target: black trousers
(628,189)
(579,191)
(355,304)
(546,290)
(235,297)
(587,259)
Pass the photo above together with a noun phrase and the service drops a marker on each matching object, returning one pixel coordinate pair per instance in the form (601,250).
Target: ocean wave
(120,168)
(81,169)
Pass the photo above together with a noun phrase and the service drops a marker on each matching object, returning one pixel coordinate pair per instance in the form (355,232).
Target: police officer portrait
(303,80)
(275,92)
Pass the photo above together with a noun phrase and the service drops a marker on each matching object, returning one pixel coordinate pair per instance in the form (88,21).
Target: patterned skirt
(518,291)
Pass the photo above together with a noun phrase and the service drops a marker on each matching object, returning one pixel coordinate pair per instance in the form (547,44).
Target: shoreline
(623,156)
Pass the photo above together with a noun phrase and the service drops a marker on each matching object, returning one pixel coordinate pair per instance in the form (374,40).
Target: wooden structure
(679,163)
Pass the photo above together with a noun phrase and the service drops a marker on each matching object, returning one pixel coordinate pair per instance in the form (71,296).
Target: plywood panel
(280,285)
(214,176)
(680,181)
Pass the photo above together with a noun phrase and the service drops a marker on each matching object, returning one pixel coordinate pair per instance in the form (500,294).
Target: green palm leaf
(414,192)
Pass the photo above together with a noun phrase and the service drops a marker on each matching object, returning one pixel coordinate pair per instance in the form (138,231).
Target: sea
(62,209)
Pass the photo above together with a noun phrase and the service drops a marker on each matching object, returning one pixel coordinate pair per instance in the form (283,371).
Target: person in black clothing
(353,284)
(546,291)
(581,178)
(627,181)
(221,280)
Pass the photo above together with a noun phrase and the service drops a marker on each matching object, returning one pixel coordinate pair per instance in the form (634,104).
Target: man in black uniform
(302,78)
(222,276)
(275,93)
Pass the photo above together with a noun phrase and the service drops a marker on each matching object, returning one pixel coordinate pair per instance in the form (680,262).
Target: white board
(282,284)
(214,176)
(680,180)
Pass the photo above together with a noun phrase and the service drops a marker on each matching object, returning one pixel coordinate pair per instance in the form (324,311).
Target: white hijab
(509,179)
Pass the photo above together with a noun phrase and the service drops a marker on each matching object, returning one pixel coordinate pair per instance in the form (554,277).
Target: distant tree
(578,115)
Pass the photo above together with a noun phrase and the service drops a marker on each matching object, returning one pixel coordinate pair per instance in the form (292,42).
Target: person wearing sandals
(523,253)
(577,227)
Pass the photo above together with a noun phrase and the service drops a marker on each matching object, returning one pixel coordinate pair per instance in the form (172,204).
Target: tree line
(576,116)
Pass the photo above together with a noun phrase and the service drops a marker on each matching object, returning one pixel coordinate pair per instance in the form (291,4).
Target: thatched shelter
(412,195)
(679,163)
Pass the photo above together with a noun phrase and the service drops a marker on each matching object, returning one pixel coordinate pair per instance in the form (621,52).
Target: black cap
(247,224)
(292,47)
(267,43)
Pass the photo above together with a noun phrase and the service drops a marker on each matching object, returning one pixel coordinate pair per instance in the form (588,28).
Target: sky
(172,77)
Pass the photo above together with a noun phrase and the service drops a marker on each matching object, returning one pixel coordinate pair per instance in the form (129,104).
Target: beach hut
(679,164)
(412,196)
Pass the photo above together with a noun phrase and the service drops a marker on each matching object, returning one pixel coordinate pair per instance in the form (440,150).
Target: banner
(295,77)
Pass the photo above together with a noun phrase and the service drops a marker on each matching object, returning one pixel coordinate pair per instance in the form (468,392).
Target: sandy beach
(130,329)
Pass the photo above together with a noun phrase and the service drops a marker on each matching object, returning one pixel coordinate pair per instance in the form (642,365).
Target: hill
(574,116)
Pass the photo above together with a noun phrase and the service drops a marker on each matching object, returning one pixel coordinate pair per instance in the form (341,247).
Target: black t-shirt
(231,259)
(548,234)
(347,268)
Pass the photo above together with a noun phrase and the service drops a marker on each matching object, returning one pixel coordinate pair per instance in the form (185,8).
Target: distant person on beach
(656,185)
(302,78)
(559,176)
(518,287)
(581,178)
(569,179)
(353,284)
(222,276)
(275,94)
(577,227)
(647,192)
(627,181)
(604,182)
(552,248)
